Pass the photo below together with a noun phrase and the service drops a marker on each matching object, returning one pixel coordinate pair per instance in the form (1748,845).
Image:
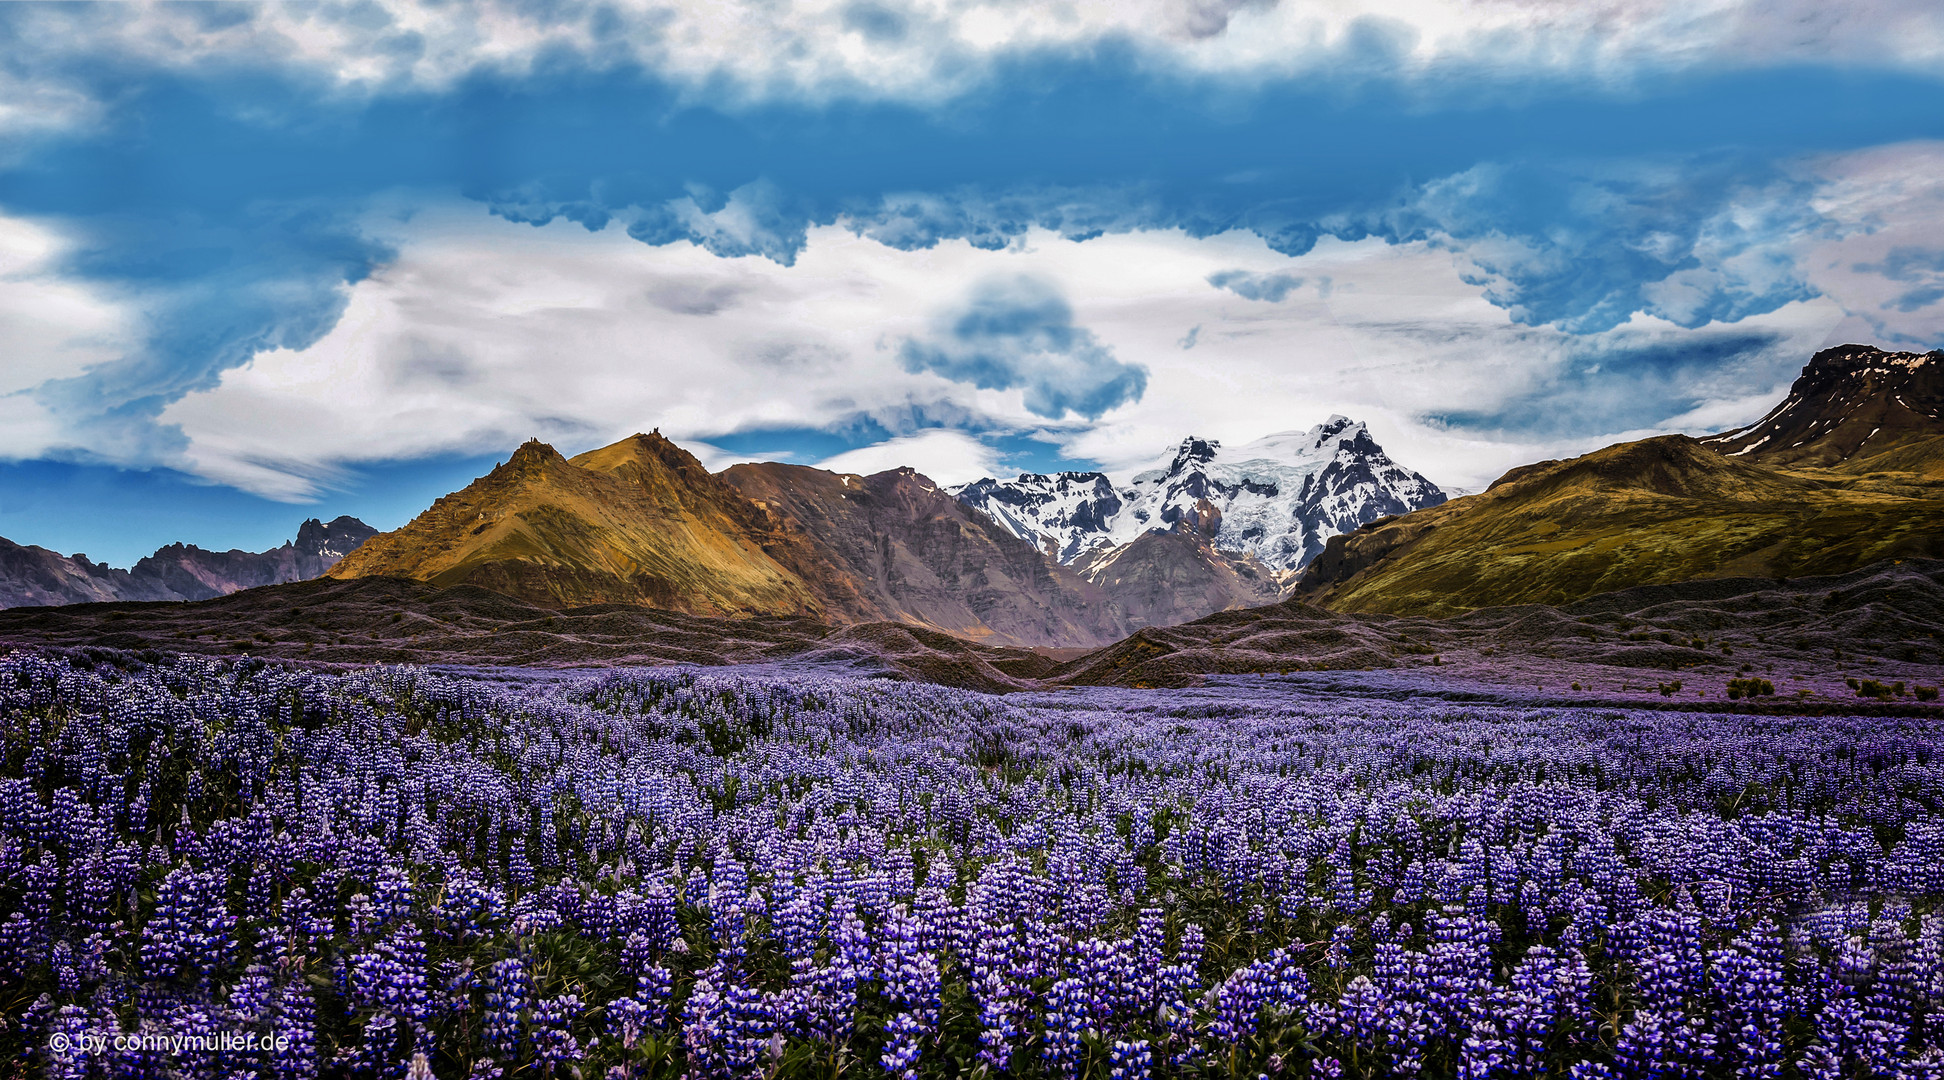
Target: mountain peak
(532,454)
(1851,359)
(637,521)
(1853,407)
(333,541)
(1277,498)
(1193,450)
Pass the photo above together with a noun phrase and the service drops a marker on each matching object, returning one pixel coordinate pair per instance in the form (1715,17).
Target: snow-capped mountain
(1065,514)
(1277,498)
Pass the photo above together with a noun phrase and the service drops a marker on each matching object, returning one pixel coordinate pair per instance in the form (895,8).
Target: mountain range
(1275,500)
(1846,472)
(35,576)
(641,521)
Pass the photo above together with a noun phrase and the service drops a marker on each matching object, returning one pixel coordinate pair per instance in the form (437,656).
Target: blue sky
(265,263)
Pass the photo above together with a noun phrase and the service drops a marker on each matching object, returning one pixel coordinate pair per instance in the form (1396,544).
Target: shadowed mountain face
(35,576)
(1854,409)
(895,546)
(1800,493)
(1163,578)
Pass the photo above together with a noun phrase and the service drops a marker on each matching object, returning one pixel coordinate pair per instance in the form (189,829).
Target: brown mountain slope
(895,546)
(640,521)
(1651,512)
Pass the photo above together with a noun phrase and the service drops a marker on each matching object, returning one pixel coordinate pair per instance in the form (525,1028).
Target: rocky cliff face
(35,576)
(895,546)
(190,573)
(1165,578)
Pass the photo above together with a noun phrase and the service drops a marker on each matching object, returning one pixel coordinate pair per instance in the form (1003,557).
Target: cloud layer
(482,333)
(931,49)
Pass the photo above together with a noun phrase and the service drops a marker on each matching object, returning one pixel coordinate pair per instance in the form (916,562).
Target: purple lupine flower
(1066,1019)
(1130,1060)
(508,996)
(705,1030)
(552,1026)
(296,1024)
(901,1046)
(191,929)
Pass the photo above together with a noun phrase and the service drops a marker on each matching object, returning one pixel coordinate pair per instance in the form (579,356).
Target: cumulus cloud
(1581,245)
(1018,332)
(192,299)
(273,365)
(477,332)
(1267,287)
(53,325)
(482,333)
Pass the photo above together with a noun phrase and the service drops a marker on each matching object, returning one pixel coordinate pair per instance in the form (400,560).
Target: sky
(264,263)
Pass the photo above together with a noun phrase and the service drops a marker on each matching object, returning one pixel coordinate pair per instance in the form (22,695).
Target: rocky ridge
(35,577)
(642,522)
(895,546)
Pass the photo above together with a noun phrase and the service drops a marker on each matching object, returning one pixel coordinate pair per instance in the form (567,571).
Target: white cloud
(929,49)
(27,429)
(484,332)
(51,327)
(947,457)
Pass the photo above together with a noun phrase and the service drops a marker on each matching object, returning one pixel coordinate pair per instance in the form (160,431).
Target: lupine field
(711,874)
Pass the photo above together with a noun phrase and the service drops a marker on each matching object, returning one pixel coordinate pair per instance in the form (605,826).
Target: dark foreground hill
(1807,637)
(1813,634)
(331,623)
